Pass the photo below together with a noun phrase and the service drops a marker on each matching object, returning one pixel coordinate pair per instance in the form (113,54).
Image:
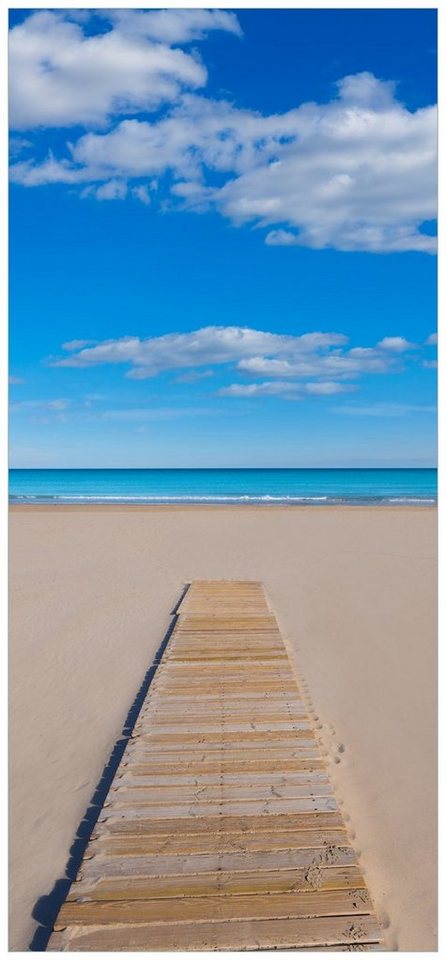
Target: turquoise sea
(256,486)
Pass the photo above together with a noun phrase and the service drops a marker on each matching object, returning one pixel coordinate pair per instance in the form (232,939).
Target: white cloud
(201,347)
(344,365)
(17,145)
(112,190)
(15,381)
(49,171)
(431,340)
(397,344)
(281,238)
(284,388)
(174,26)
(430,364)
(141,192)
(60,75)
(355,173)
(270,388)
(327,388)
(385,409)
(280,358)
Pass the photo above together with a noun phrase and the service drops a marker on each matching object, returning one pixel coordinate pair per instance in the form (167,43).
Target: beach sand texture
(354,592)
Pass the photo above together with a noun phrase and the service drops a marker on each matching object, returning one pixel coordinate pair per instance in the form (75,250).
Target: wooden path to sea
(221,830)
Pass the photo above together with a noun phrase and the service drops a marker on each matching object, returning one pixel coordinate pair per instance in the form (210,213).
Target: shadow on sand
(46,908)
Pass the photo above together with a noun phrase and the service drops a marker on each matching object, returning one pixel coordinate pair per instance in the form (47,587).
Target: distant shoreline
(168,507)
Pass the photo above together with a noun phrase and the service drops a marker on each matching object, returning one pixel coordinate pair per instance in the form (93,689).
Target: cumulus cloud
(350,363)
(355,173)
(15,381)
(283,388)
(208,345)
(397,344)
(316,363)
(61,74)
(174,26)
(431,340)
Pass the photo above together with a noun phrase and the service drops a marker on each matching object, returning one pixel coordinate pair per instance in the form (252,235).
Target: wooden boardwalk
(221,830)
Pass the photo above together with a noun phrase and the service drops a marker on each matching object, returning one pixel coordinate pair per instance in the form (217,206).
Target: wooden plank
(253,778)
(220,883)
(143,754)
(153,866)
(220,830)
(174,808)
(124,844)
(221,935)
(248,743)
(221,791)
(325,903)
(229,727)
(227,766)
(299,821)
(247,738)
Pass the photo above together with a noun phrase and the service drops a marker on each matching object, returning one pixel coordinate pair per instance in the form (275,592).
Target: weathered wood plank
(223,824)
(221,935)
(251,778)
(124,844)
(221,791)
(325,903)
(220,883)
(234,808)
(153,866)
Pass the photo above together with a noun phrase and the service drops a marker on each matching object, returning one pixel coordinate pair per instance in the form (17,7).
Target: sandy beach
(354,591)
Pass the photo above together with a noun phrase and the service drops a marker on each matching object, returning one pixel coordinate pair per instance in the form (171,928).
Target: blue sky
(223,238)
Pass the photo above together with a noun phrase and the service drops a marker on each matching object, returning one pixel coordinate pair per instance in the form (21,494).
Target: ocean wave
(411,500)
(163,498)
(220,499)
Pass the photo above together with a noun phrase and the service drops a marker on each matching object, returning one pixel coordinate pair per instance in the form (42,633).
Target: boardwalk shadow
(46,908)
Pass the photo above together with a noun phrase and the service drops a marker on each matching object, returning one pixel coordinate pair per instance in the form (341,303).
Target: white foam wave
(412,500)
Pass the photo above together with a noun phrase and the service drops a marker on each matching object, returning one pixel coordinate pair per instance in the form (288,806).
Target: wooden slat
(324,903)
(145,845)
(127,865)
(221,791)
(213,884)
(221,935)
(221,830)
(224,824)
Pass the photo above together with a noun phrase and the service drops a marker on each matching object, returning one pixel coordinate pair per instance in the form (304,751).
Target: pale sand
(354,590)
